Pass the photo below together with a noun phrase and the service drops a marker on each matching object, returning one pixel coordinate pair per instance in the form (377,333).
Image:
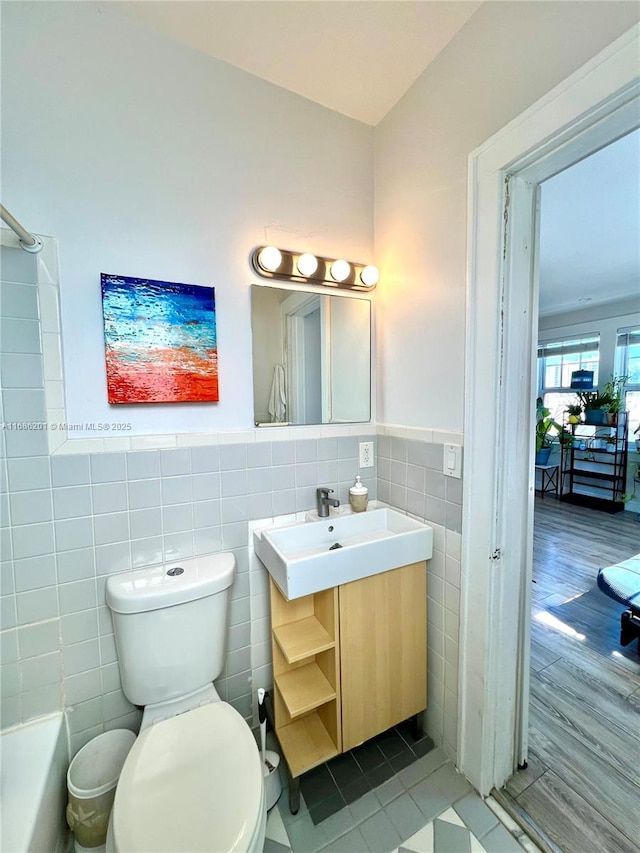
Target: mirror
(311,357)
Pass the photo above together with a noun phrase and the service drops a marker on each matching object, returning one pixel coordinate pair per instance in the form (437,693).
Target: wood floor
(582,785)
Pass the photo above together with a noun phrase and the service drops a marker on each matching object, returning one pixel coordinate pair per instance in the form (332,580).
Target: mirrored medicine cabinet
(311,357)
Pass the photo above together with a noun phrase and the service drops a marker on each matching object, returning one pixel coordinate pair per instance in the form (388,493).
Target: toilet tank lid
(164,586)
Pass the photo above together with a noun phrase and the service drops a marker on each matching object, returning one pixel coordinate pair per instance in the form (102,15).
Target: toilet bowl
(192,783)
(193,779)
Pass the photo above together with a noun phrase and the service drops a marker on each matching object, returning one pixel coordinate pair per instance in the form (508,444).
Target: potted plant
(565,437)
(546,429)
(614,389)
(574,412)
(595,405)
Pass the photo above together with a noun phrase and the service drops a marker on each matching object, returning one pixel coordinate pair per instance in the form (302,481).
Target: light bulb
(340,270)
(370,275)
(307,264)
(270,258)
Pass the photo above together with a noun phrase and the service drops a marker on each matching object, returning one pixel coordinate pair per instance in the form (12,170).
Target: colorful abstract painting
(160,340)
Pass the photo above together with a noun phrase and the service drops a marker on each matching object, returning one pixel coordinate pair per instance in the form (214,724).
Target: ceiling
(589,230)
(357,57)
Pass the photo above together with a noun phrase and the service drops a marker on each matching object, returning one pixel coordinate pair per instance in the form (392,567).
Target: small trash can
(91,781)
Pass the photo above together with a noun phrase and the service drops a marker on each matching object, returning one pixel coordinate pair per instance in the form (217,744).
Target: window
(556,362)
(628,364)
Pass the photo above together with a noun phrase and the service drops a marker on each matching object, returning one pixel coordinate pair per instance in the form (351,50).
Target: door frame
(594,106)
(294,309)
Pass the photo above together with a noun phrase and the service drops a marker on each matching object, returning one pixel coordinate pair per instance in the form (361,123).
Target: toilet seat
(191,783)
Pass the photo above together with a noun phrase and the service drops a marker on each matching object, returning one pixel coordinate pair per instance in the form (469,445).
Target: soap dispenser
(358,496)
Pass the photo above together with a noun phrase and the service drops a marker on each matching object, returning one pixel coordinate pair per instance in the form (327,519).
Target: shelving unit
(594,468)
(306,670)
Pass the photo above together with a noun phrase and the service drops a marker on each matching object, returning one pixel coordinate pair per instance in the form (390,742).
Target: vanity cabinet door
(383,640)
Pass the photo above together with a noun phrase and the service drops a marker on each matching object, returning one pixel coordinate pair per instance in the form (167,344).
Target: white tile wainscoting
(73,520)
(410,478)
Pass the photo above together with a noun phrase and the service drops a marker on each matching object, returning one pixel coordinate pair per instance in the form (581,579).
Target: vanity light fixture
(306,268)
(370,275)
(270,258)
(340,270)
(307,264)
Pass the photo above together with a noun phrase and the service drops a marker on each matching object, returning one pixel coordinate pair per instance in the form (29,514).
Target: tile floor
(426,807)
(339,782)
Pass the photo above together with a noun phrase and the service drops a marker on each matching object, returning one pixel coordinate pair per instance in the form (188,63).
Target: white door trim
(594,106)
(293,310)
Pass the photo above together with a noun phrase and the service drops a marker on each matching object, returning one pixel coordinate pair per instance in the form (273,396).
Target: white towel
(277,407)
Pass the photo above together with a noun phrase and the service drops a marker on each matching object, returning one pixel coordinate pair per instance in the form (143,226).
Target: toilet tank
(170,625)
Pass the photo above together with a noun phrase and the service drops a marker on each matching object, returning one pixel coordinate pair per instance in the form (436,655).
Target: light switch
(452,466)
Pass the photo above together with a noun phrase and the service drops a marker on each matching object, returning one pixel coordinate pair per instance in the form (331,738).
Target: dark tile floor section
(347,777)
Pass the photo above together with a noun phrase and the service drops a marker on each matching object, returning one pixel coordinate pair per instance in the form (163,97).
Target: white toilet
(193,780)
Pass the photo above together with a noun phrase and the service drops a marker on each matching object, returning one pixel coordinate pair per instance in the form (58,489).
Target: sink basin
(301,560)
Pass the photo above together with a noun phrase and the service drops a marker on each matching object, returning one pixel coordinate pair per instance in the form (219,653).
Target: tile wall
(410,478)
(68,521)
(74,520)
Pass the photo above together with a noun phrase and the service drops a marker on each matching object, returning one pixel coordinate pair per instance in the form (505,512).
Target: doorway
(583,716)
(595,106)
(305,321)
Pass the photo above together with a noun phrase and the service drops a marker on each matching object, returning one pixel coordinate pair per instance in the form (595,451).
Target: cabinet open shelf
(302,639)
(306,743)
(304,689)
(305,647)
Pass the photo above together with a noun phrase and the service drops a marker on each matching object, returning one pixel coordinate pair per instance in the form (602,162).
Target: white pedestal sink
(310,556)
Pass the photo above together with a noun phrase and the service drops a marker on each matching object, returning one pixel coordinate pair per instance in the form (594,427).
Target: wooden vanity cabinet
(348,663)
(383,651)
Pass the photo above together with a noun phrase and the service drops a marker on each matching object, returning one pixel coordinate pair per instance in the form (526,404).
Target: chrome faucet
(323,501)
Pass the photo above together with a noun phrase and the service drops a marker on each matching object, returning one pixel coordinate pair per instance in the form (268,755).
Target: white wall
(148,159)
(505,58)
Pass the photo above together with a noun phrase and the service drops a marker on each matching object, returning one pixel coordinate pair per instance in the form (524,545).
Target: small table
(548,479)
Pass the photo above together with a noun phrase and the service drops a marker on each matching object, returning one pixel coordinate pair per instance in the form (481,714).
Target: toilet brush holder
(270,759)
(271,773)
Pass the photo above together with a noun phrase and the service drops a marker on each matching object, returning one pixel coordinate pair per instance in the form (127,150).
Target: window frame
(622,365)
(591,342)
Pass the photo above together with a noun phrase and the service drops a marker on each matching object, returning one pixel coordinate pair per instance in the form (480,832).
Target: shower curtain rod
(29,242)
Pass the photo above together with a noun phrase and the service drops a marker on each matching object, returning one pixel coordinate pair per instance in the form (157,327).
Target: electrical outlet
(366,454)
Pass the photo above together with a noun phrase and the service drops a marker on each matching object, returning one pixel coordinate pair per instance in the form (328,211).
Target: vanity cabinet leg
(416,726)
(294,795)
